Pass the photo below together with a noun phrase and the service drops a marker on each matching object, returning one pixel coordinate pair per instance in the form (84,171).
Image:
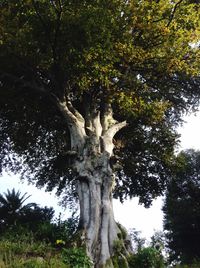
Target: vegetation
(33,239)
(54,244)
(90,94)
(23,250)
(182,209)
(14,213)
(148,254)
(147,257)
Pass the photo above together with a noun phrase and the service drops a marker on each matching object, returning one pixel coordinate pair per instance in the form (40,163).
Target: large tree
(91,92)
(182,209)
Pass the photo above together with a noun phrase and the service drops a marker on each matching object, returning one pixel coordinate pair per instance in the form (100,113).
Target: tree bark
(97,220)
(92,144)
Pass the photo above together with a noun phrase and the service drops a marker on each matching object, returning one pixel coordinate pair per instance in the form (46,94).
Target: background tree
(182,209)
(12,207)
(91,92)
(147,253)
(13,211)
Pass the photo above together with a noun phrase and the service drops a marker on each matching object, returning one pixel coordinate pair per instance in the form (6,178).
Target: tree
(182,209)
(90,94)
(147,256)
(12,207)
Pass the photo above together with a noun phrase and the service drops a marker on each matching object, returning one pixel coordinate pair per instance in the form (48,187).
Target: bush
(147,258)
(76,258)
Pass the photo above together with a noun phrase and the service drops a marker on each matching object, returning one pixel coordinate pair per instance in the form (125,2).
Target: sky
(129,214)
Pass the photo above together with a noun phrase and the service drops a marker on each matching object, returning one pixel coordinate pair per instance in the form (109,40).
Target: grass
(29,254)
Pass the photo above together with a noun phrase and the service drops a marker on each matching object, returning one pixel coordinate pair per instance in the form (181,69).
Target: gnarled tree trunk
(97,220)
(92,147)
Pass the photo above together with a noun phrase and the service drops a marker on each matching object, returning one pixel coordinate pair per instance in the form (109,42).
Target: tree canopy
(182,209)
(136,56)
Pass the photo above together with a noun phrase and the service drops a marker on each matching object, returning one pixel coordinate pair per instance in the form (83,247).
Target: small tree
(147,256)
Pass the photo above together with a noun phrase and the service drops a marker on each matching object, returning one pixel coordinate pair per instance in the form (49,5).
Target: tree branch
(107,138)
(115,128)
(107,119)
(75,123)
(173,12)
(63,108)
(75,112)
(42,21)
(25,84)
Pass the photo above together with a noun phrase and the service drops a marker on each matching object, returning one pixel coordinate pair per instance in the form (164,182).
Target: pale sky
(129,214)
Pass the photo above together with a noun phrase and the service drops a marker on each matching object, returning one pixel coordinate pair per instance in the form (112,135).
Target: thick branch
(107,138)
(107,119)
(94,126)
(75,112)
(75,123)
(67,114)
(115,128)
(97,125)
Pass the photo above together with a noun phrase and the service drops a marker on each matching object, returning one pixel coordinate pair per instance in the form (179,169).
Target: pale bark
(92,142)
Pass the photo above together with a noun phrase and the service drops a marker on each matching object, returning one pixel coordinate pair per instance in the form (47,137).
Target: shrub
(76,258)
(147,258)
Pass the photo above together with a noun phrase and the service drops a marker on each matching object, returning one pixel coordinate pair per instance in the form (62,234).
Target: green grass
(29,254)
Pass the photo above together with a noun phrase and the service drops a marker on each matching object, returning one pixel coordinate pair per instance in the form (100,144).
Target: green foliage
(123,232)
(17,251)
(182,209)
(31,222)
(118,246)
(151,256)
(47,232)
(51,232)
(76,258)
(24,243)
(47,246)
(147,257)
(120,261)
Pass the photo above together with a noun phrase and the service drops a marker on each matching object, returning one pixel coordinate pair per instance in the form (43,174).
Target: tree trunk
(92,146)
(97,219)
(95,184)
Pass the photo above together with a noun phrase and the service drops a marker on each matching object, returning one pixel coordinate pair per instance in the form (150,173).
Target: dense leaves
(182,209)
(137,55)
